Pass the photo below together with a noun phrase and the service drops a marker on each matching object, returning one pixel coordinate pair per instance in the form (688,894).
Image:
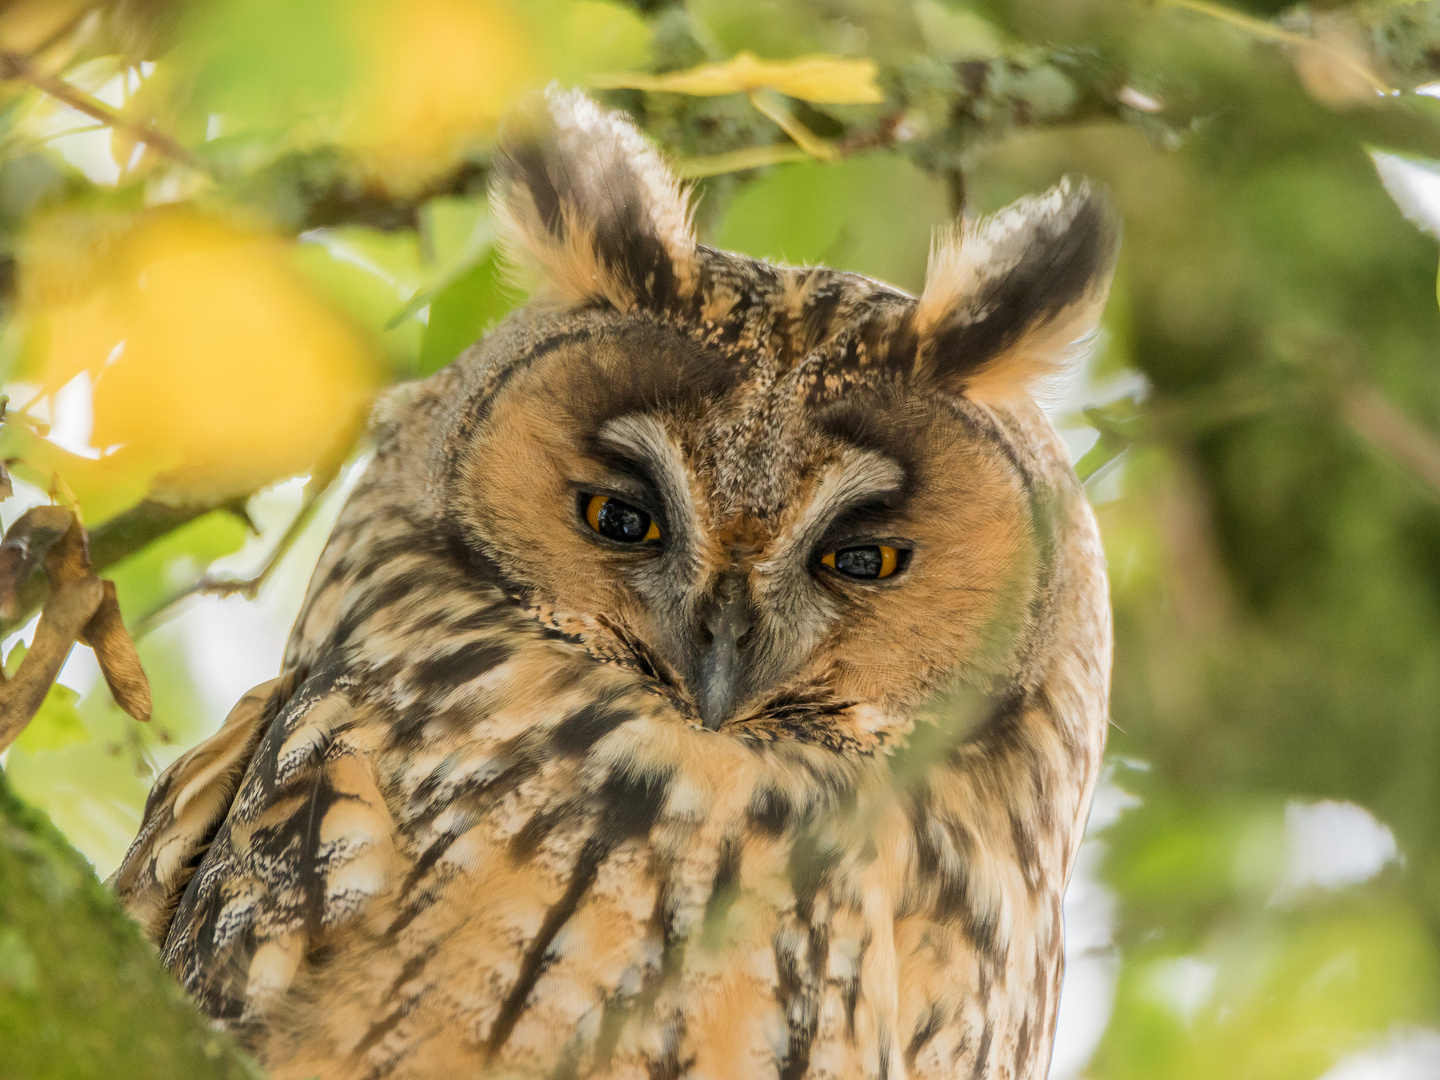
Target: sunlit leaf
(88,790)
(1414,184)
(456,230)
(29,24)
(104,486)
(459,234)
(57,723)
(778,29)
(94,789)
(831,80)
(408,86)
(437,76)
(265,65)
(208,361)
(1284,1001)
(956,33)
(589,36)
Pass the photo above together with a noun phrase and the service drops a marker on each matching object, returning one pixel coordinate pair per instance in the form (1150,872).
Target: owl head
(782,494)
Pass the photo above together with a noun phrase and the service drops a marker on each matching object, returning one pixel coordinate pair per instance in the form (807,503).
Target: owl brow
(642,445)
(864,486)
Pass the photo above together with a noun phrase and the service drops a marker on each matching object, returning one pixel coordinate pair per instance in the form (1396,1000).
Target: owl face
(769,489)
(855,549)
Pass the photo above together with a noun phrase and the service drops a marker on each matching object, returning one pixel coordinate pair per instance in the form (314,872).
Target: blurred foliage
(225,225)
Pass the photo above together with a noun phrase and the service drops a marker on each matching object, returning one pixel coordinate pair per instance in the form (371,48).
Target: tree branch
(1389,430)
(84,994)
(17,66)
(116,540)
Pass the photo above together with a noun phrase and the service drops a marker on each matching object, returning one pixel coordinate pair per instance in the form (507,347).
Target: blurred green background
(225,224)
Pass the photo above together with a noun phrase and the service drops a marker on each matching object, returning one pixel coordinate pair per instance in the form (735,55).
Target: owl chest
(588,887)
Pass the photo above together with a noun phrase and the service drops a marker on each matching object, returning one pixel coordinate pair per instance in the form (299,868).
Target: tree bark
(82,994)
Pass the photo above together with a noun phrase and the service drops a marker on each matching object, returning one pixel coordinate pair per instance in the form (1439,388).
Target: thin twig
(1270,32)
(890,131)
(247,587)
(1383,425)
(750,157)
(16,66)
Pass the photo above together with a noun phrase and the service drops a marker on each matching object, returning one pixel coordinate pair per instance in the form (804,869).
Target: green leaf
(873,215)
(1118,426)
(957,34)
(366,273)
(591,36)
(104,487)
(18,970)
(175,561)
(1286,1000)
(461,313)
(266,64)
(57,724)
(90,793)
(1414,184)
(459,234)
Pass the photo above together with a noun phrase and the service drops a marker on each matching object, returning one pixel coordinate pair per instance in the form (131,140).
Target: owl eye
(619,521)
(869,562)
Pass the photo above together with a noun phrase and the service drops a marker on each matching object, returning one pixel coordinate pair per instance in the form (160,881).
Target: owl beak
(727,623)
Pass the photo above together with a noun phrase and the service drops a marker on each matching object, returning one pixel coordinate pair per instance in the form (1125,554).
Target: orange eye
(870,562)
(619,521)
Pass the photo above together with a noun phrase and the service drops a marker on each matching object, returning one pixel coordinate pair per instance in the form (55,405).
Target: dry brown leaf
(1336,68)
(69,559)
(119,662)
(80,607)
(27,542)
(65,614)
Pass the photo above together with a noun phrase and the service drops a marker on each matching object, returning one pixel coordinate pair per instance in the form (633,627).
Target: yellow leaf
(831,80)
(211,364)
(29,24)
(103,487)
(436,75)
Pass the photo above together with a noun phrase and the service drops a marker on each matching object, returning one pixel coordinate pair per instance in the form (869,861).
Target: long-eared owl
(618,734)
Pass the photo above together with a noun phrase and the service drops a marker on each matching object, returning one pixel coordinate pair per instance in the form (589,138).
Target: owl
(617,736)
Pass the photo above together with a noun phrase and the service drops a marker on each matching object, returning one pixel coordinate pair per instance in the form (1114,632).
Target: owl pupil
(623,523)
(860,562)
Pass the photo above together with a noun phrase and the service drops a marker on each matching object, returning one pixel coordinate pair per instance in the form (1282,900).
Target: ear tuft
(588,206)
(1008,299)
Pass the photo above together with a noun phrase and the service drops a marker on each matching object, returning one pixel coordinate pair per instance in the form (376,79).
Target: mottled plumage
(531,801)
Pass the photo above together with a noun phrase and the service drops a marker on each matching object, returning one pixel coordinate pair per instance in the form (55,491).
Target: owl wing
(184,811)
(305,845)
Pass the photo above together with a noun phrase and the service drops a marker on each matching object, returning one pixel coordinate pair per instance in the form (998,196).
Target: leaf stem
(1270,32)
